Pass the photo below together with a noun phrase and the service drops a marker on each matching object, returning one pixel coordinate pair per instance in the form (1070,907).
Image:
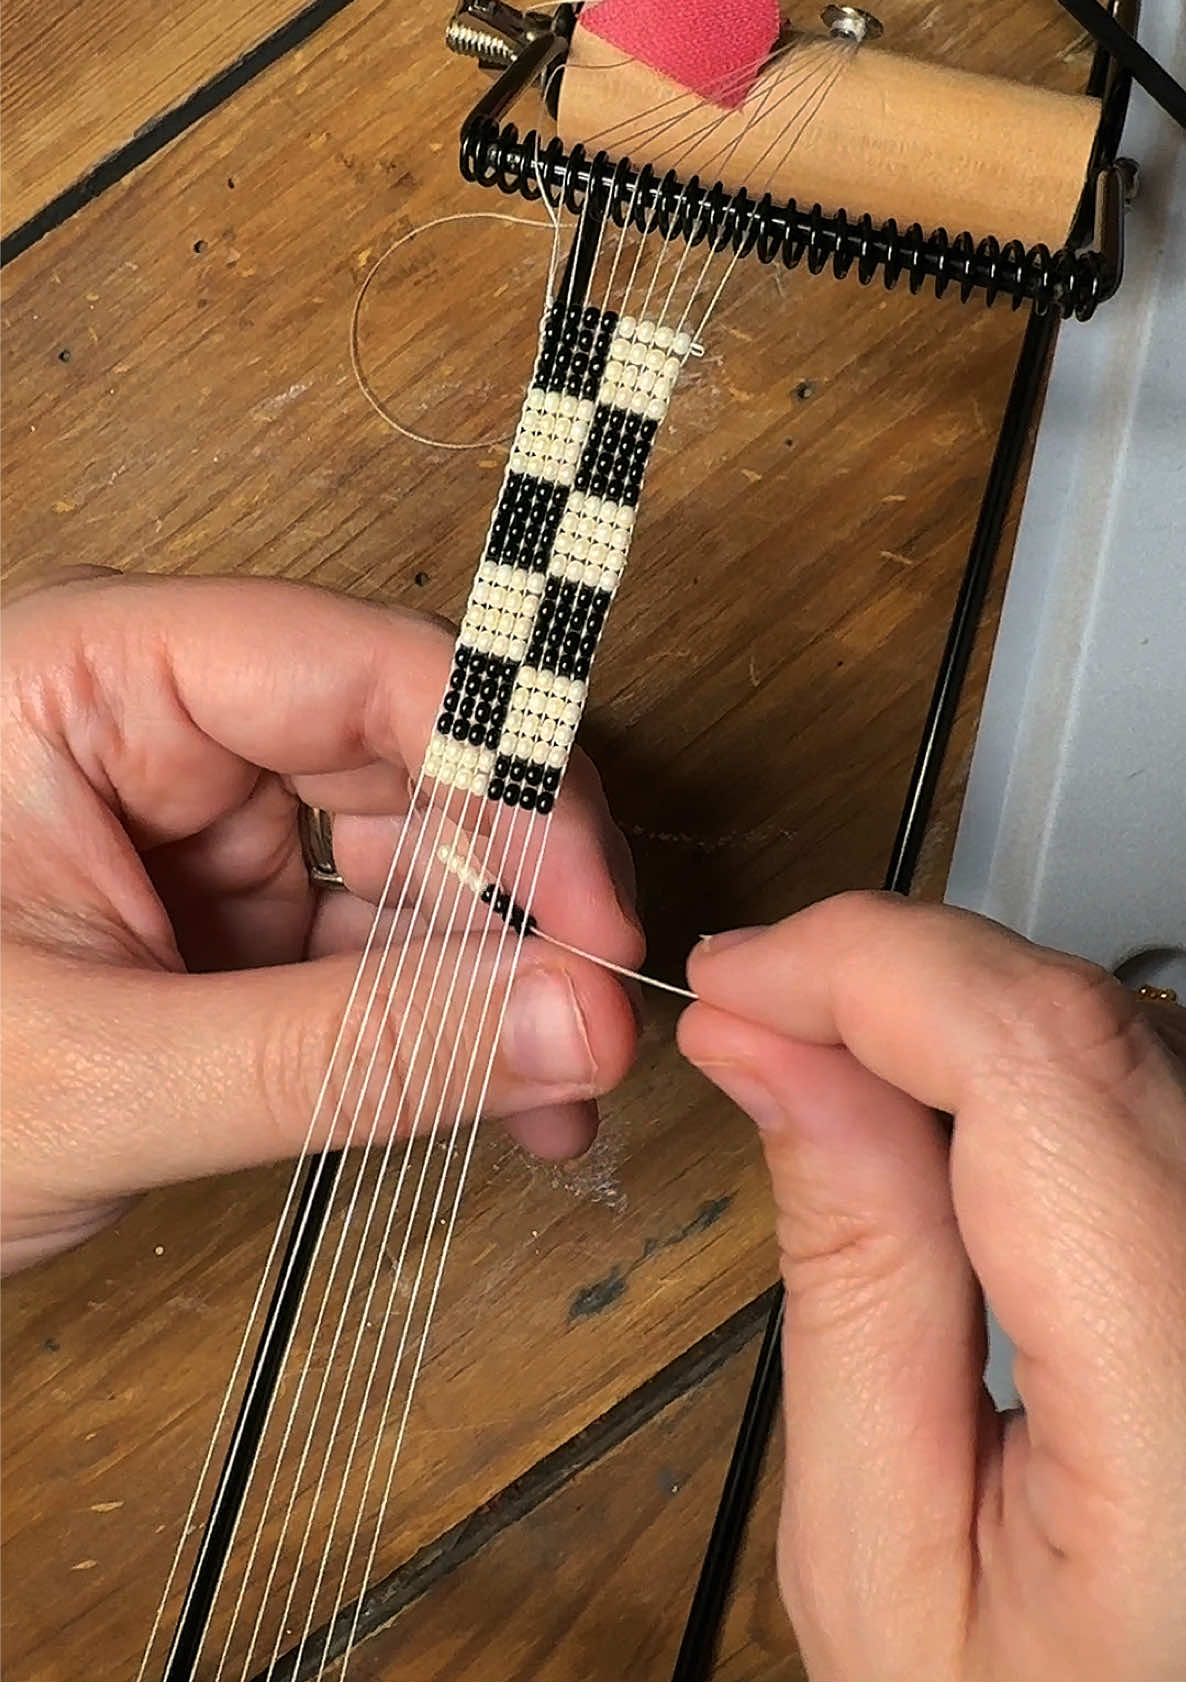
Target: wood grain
(79,80)
(544,1602)
(755,710)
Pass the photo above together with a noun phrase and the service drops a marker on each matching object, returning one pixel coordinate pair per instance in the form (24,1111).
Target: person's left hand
(158,735)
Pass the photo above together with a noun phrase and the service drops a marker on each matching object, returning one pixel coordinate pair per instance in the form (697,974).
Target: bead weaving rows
(555,554)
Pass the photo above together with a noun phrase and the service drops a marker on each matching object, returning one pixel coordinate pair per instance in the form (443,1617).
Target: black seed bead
(481,711)
(494,790)
(502,903)
(519,918)
(461,655)
(529,797)
(518,768)
(445,723)
(535,773)
(502,767)
(510,793)
(493,736)
(477,735)
(457,679)
(449,702)
(551,779)
(461,728)
(487,894)
(544,802)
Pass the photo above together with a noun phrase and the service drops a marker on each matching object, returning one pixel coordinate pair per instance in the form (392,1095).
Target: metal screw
(851,23)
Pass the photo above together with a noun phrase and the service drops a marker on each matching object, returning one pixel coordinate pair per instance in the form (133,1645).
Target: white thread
(560,944)
(364,383)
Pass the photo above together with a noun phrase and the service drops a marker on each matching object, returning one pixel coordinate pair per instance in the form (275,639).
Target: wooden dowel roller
(894,137)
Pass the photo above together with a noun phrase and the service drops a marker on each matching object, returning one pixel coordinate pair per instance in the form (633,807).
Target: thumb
(883,1349)
(149,1078)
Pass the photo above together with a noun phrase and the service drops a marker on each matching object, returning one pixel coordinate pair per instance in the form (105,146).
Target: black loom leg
(243,1449)
(698,1648)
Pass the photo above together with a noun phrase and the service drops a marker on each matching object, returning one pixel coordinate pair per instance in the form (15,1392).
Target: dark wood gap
(384,1600)
(166,128)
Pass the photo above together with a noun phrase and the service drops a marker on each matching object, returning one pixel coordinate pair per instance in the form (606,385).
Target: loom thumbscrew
(851,23)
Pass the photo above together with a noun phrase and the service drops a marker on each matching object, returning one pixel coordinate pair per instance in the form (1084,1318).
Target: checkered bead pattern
(554,556)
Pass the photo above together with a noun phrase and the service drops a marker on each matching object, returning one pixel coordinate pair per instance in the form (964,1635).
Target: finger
(231,675)
(160,1078)
(883,1346)
(1068,1162)
(569,870)
(556,1132)
(237,675)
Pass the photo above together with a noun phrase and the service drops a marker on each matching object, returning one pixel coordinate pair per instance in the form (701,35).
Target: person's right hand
(922,1535)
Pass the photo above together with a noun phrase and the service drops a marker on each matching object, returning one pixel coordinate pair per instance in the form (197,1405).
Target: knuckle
(1071,1012)
(835,1270)
(860,913)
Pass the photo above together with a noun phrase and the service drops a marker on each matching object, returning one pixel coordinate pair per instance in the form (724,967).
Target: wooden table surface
(194,193)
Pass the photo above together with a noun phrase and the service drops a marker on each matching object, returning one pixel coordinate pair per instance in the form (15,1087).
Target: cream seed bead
(585,409)
(591,577)
(654,409)
(681,343)
(545,679)
(576,691)
(672,367)
(627,325)
(516,650)
(542,753)
(615,560)
(522,628)
(523,748)
(645,333)
(663,336)
(518,463)
(499,647)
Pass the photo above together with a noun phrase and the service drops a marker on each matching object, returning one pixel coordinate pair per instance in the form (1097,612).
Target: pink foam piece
(715,47)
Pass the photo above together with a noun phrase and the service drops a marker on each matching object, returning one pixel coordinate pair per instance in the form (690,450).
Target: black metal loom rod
(292,1278)
(697,1649)
(1109,79)
(1111,36)
(243,1448)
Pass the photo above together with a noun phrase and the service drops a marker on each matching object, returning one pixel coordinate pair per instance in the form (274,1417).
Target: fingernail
(715,942)
(748,1094)
(544,1036)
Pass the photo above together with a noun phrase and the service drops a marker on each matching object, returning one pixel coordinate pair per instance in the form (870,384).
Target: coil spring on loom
(1067,283)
